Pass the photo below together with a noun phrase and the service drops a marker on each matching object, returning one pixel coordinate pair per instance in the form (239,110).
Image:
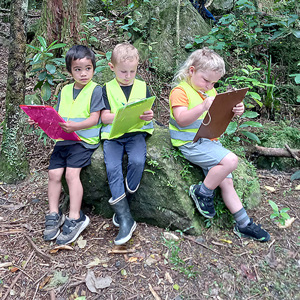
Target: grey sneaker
(72,229)
(52,224)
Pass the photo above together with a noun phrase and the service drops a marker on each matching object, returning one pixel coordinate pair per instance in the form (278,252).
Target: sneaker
(72,229)
(204,204)
(52,225)
(252,231)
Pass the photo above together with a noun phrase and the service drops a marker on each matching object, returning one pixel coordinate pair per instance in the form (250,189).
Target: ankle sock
(241,218)
(204,190)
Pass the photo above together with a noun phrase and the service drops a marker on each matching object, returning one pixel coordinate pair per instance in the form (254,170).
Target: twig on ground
(291,152)
(18,276)
(155,295)
(39,252)
(204,246)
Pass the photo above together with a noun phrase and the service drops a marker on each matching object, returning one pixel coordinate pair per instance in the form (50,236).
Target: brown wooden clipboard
(219,114)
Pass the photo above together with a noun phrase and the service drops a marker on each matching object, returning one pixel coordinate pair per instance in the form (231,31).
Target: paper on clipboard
(128,117)
(219,114)
(48,118)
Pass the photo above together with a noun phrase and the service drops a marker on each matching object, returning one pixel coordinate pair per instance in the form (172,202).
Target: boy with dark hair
(79,104)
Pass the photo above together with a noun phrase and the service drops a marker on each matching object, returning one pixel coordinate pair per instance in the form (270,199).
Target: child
(124,88)
(189,102)
(79,104)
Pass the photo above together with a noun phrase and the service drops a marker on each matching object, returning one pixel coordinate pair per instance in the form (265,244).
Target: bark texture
(61,20)
(13,163)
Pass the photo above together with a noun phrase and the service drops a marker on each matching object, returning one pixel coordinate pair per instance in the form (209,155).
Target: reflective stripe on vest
(182,135)
(78,110)
(117,99)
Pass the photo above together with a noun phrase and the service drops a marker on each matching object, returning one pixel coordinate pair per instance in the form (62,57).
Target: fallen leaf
(81,242)
(297,188)
(226,241)
(44,282)
(271,259)
(95,263)
(132,259)
(168,277)
(94,284)
(247,272)
(60,247)
(287,223)
(14,269)
(270,188)
(152,259)
(171,236)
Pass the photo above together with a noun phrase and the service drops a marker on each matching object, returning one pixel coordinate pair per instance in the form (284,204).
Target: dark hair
(79,52)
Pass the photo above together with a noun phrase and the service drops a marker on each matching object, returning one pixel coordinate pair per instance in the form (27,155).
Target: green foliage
(102,62)
(174,258)
(279,215)
(44,66)
(297,81)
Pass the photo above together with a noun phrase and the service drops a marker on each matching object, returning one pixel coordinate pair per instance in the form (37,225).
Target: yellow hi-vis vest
(183,135)
(78,110)
(117,99)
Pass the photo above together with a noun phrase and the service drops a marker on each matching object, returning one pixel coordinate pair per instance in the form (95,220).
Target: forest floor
(215,265)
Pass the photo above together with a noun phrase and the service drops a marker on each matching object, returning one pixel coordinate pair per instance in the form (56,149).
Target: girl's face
(203,80)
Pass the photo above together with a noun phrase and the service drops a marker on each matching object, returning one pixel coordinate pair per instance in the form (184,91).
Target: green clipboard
(127,117)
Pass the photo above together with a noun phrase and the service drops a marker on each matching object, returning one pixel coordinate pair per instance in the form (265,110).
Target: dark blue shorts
(72,156)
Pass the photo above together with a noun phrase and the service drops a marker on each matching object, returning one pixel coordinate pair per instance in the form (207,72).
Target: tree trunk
(275,152)
(61,20)
(13,163)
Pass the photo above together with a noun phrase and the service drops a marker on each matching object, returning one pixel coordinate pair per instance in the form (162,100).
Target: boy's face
(125,71)
(82,72)
(203,80)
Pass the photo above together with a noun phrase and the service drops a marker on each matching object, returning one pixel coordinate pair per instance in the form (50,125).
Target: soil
(215,265)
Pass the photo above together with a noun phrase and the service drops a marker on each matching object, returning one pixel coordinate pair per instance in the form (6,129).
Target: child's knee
(231,160)
(54,175)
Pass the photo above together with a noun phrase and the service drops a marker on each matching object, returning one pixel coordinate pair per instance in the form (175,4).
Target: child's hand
(239,109)
(69,126)
(32,123)
(147,116)
(208,102)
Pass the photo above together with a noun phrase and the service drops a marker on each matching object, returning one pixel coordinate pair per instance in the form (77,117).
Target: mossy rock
(276,136)
(162,198)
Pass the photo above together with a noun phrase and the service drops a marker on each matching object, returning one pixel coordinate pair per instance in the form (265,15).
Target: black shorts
(72,156)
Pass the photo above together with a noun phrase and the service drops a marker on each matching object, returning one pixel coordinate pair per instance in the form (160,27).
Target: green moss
(276,136)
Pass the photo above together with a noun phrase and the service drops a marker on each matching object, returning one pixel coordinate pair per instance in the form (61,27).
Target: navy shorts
(72,156)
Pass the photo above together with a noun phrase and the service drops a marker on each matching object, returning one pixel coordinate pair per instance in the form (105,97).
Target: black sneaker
(252,231)
(72,229)
(52,224)
(204,204)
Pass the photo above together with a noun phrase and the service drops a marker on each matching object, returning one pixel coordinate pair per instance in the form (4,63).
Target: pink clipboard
(48,118)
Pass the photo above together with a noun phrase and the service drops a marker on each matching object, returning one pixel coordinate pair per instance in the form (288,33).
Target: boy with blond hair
(122,89)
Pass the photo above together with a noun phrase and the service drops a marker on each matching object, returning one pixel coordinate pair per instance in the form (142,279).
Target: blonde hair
(123,52)
(202,59)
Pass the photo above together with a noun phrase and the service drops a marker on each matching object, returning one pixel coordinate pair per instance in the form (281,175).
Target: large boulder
(163,29)
(162,198)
